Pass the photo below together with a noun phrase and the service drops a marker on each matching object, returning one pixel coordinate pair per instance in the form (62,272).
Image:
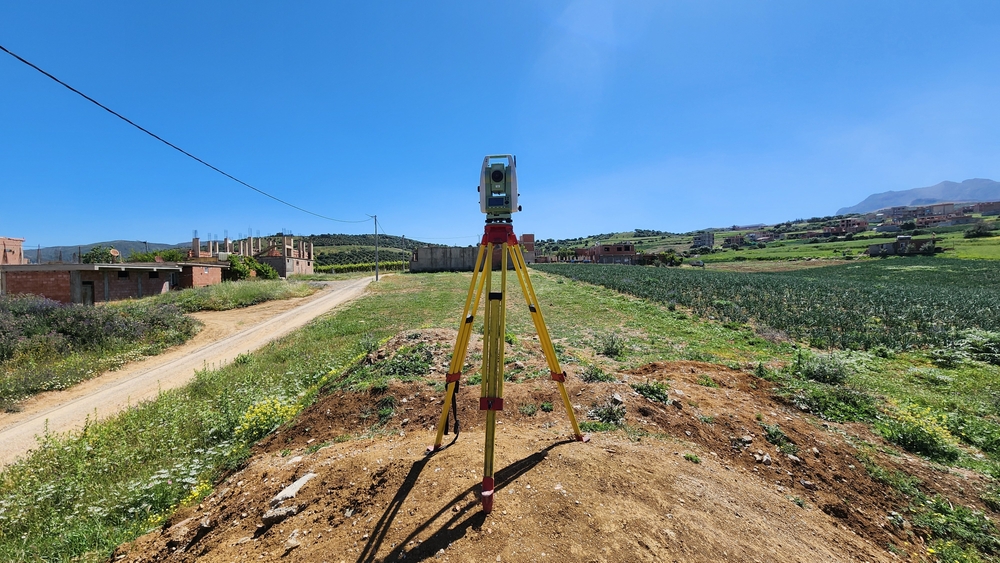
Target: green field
(896,303)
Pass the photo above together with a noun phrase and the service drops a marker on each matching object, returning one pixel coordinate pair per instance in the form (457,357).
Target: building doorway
(88,293)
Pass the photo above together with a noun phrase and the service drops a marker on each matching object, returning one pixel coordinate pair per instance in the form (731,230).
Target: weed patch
(655,391)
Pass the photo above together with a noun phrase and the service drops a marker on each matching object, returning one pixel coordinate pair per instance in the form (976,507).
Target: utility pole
(375,217)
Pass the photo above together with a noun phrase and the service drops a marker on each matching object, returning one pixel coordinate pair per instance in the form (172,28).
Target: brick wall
(54,285)
(199,276)
(126,288)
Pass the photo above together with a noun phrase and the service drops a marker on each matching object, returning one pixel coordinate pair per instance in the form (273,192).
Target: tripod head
(498,188)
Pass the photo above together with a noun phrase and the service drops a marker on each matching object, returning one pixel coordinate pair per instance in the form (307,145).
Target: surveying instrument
(497,199)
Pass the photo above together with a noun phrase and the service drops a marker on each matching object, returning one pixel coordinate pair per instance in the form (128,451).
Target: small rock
(766,460)
(677,404)
(808,484)
(815,452)
(206,523)
(677,392)
(617,399)
(295,459)
(291,544)
(758,458)
(275,515)
(748,439)
(243,540)
(291,490)
(404,422)
(349,512)
(794,459)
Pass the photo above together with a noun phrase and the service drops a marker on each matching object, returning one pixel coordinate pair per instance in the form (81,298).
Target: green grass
(233,295)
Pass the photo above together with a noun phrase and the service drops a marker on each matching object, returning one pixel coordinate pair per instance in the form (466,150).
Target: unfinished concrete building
(283,253)
(11,250)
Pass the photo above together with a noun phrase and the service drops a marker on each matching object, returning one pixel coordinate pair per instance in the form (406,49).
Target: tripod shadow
(455,527)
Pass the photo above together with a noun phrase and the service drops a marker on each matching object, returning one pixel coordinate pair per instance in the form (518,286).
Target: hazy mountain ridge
(68,253)
(975,189)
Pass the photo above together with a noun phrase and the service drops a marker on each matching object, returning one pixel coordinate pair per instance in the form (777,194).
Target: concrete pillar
(195,248)
(229,245)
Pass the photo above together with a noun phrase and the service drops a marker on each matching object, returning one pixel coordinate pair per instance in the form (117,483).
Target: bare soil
(686,482)
(774,265)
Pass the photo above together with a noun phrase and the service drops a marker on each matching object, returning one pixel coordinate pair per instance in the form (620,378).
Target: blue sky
(658,115)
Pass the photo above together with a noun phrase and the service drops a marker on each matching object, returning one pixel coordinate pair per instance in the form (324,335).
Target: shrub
(920,431)
(546,407)
(655,391)
(775,435)
(593,374)
(981,345)
(528,409)
(823,368)
(978,230)
(612,411)
(263,417)
(707,381)
(611,344)
(957,524)
(692,458)
(834,403)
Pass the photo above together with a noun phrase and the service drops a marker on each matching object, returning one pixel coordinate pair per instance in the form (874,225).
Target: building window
(123,275)
(154,275)
(204,270)
(607,249)
(619,249)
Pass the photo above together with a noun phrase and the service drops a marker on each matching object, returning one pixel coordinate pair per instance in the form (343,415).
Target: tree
(978,230)
(908,226)
(98,255)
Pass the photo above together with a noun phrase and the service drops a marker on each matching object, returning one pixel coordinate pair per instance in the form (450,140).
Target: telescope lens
(497,176)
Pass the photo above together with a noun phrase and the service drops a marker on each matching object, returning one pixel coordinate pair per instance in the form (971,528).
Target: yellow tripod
(491,394)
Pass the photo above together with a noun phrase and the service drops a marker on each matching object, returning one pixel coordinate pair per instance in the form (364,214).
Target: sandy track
(225,335)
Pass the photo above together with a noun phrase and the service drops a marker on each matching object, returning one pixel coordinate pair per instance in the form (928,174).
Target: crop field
(898,304)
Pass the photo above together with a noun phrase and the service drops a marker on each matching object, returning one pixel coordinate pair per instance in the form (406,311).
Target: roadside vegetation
(233,295)
(47,346)
(935,398)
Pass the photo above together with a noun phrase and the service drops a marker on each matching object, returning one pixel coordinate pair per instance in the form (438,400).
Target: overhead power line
(168,143)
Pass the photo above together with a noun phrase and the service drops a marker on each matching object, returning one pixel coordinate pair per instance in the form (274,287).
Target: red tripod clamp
(499,233)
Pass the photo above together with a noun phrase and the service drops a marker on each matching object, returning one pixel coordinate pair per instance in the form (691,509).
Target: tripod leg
(491,394)
(461,343)
(558,375)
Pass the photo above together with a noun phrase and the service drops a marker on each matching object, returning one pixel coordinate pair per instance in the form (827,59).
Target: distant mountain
(976,189)
(68,253)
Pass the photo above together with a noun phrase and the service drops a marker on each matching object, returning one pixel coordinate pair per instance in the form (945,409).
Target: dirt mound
(695,480)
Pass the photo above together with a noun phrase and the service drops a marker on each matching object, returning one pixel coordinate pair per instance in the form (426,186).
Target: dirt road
(225,335)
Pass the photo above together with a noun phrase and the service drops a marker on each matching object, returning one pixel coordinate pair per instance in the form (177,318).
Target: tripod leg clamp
(558,376)
(452,377)
(491,403)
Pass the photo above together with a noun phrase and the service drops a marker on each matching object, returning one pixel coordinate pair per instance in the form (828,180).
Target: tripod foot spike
(583,437)
(487,494)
